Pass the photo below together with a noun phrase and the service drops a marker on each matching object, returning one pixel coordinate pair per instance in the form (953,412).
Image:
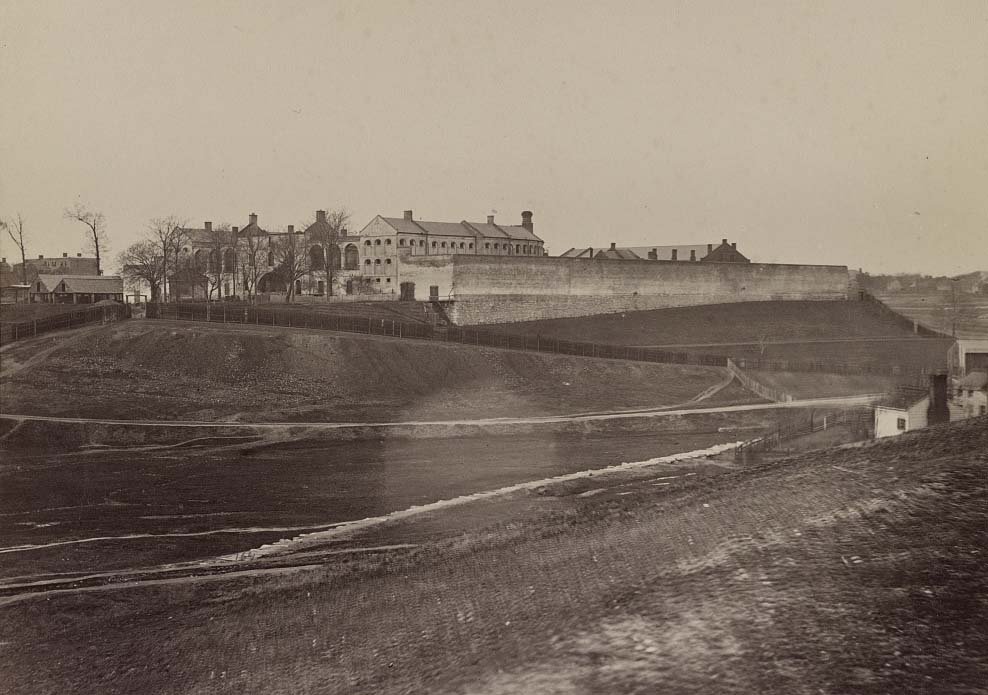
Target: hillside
(161,370)
(855,570)
(720,323)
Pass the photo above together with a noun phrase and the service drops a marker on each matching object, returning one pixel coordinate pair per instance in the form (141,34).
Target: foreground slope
(855,570)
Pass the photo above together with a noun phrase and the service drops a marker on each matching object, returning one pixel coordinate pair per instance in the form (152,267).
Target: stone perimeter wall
(491,289)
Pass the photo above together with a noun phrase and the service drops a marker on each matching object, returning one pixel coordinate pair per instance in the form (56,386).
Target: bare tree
(291,259)
(169,235)
(327,232)
(15,228)
(96,234)
(250,259)
(142,263)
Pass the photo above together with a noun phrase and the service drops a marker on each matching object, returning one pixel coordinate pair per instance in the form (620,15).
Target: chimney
(235,230)
(653,255)
(321,216)
(208,226)
(408,215)
(692,254)
(734,245)
(590,249)
(710,248)
(675,254)
(3,260)
(253,218)
(291,229)
(723,242)
(526,220)
(613,246)
(41,256)
(65,255)
(490,219)
(938,411)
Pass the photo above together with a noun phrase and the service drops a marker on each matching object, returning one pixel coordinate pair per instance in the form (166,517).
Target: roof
(974,381)
(663,253)
(462,228)
(86,284)
(905,398)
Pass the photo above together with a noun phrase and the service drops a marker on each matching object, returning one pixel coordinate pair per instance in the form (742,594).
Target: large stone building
(215,260)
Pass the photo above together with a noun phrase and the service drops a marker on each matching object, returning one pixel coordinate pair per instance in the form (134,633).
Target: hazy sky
(822,132)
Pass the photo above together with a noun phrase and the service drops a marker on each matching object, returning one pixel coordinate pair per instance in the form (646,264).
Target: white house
(904,412)
(972,394)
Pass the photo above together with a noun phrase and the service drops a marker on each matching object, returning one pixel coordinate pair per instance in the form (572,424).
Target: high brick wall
(487,289)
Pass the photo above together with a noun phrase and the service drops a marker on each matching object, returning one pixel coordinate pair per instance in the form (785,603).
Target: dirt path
(15,357)
(838,402)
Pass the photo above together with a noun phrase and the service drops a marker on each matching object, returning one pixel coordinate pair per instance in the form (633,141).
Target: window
(433,244)
(517,248)
(377,279)
(387,242)
(487,245)
(367,243)
(462,246)
(377,261)
(495,247)
(377,242)
(388,261)
(970,394)
(900,423)
(422,242)
(984,409)
(471,245)
(401,242)
(367,262)
(443,244)
(388,280)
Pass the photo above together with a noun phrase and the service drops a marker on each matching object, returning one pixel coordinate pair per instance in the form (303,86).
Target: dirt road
(840,402)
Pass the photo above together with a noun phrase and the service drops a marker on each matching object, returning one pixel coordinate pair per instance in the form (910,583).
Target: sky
(851,133)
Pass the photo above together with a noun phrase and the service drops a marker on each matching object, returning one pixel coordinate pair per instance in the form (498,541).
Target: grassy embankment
(843,333)
(144,369)
(848,570)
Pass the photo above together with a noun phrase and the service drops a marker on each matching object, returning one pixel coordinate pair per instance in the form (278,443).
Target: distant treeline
(971,283)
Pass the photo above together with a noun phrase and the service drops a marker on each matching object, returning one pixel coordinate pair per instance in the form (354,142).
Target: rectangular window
(901,423)
(984,409)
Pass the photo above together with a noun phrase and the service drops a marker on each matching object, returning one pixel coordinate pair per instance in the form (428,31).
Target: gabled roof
(86,284)
(905,398)
(462,228)
(663,253)
(47,282)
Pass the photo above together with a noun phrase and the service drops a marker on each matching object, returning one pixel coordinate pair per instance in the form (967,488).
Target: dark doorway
(408,291)
(434,293)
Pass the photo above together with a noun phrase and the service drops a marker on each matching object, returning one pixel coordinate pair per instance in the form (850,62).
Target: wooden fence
(861,418)
(11,331)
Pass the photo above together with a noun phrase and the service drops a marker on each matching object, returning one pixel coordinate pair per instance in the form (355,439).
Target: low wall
(497,289)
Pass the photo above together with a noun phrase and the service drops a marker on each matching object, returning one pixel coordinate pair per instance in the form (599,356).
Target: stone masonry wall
(487,289)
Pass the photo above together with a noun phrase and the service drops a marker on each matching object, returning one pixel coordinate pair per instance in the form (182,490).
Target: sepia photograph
(462,347)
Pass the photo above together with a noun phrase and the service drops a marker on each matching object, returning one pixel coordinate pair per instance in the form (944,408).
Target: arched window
(517,248)
(487,245)
(377,242)
(443,244)
(351,256)
(200,260)
(401,242)
(317,258)
(471,246)
(462,245)
(270,258)
(367,243)
(229,261)
(215,261)
(334,257)
(377,261)
(367,262)
(298,287)
(422,242)
(433,244)
(495,247)
(388,261)
(387,242)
